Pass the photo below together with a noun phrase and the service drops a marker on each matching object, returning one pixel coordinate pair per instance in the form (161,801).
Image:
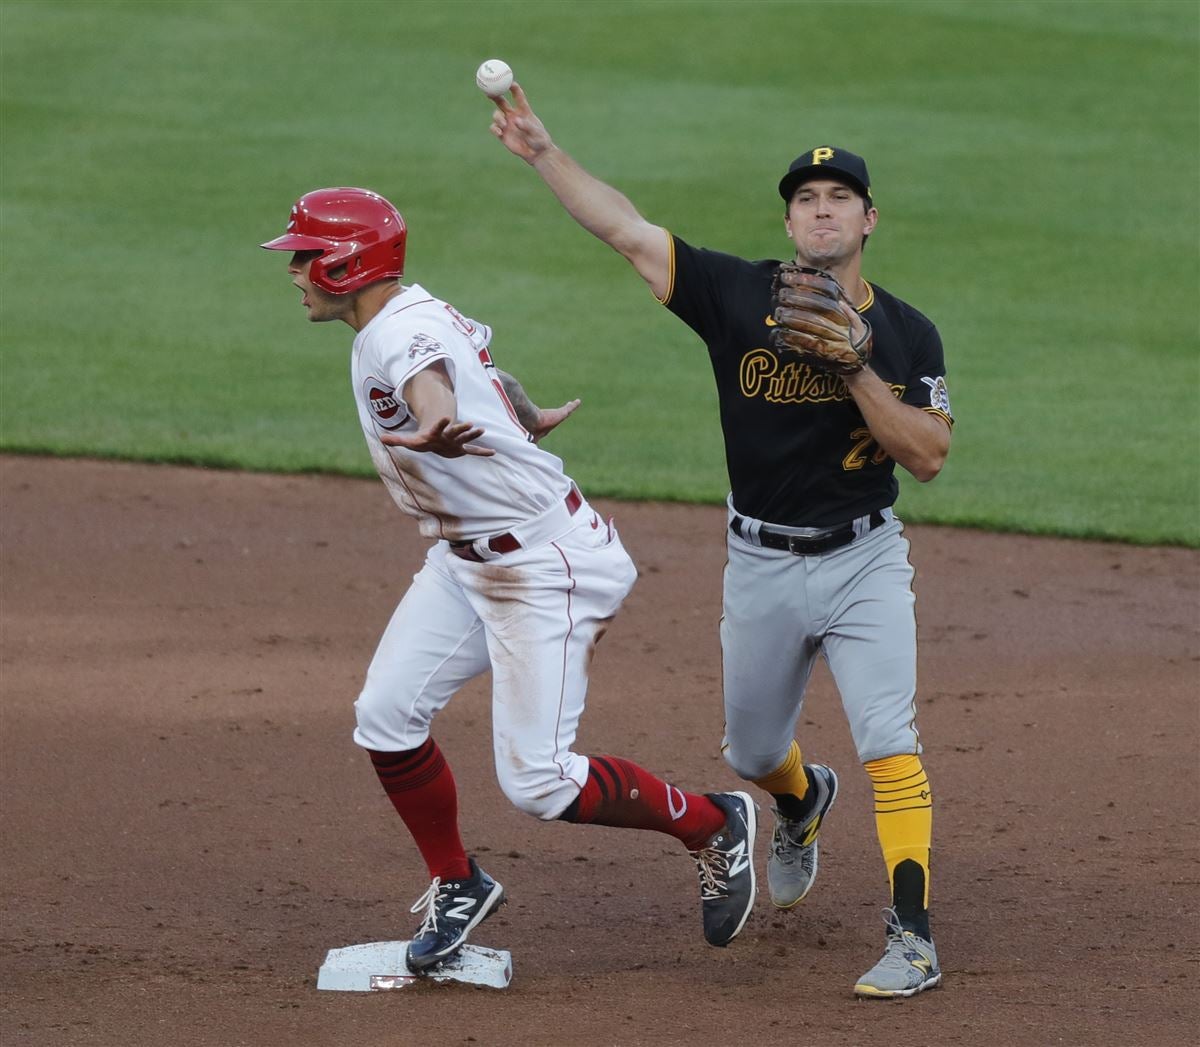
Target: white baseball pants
(533,617)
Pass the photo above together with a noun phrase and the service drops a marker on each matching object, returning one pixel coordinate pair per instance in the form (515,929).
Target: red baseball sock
(620,793)
(421,787)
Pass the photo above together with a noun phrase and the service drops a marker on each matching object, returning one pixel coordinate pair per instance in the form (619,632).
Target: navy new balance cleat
(452,910)
(726,869)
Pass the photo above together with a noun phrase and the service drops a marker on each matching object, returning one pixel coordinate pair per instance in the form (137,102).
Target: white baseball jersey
(452,498)
(532,615)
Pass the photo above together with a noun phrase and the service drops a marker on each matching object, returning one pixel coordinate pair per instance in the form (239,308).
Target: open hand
(444,437)
(550,418)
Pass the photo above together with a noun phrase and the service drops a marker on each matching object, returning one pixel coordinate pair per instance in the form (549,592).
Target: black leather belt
(804,544)
(508,542)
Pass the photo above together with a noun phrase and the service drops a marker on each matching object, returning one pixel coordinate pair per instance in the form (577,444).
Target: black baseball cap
(827,161)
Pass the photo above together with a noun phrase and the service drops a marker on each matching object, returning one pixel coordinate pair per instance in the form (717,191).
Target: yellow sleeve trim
(940,414)
(670,270)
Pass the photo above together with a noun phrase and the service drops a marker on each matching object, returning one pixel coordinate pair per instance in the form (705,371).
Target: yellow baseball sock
(904,822)
(787,783)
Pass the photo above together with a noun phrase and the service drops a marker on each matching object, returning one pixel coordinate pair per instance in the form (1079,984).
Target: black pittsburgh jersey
(798,450)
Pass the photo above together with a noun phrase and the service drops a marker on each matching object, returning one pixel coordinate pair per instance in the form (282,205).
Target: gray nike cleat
(726,868)
(792,861)
(909,965)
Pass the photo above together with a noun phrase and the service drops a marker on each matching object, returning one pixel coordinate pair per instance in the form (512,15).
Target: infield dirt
(188,826)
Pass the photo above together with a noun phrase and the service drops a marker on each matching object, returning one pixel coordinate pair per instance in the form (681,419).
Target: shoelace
(428,901)
(895,955)
(898,946)
(890,917)
(710,863)
(790,835)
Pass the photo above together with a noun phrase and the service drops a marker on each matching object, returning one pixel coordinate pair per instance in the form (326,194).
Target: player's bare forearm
(916,439)
(603,211)
(536,420)
(431,401)
(527,412)
(430,395)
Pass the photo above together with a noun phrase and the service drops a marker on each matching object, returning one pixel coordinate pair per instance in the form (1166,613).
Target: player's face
(321,305)
(827,221)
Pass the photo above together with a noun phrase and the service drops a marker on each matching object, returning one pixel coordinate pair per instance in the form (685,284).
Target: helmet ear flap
(335,257)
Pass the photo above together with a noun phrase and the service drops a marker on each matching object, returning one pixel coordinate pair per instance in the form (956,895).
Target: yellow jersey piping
(940,414)
(670,270)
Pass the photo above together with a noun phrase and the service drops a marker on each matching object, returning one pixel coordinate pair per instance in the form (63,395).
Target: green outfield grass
(1035,164)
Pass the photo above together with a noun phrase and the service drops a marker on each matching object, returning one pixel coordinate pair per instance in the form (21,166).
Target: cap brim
(790,181)
(296,242)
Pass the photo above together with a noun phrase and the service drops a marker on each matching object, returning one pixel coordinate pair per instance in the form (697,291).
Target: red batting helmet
(352,227)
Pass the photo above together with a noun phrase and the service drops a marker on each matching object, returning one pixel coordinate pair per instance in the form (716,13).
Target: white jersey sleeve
(463,498)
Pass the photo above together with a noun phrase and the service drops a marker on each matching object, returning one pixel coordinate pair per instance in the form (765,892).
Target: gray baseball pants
(853,606)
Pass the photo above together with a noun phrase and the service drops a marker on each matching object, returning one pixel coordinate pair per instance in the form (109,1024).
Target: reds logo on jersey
(383,405)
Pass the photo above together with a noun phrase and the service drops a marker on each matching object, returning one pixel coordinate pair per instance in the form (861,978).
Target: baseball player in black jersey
(818,565)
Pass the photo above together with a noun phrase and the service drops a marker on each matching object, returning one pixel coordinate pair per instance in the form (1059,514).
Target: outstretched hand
(518,127)
(551,417)
(445,438)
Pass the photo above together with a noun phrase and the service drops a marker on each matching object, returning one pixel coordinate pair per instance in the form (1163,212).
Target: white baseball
(494,77)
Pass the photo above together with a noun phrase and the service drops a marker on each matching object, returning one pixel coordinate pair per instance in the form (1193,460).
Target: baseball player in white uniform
(523,578)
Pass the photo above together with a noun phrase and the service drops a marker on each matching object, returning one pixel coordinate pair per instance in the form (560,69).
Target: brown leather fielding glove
(810,322)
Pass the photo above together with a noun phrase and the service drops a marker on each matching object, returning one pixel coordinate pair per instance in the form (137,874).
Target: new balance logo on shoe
(459,911)
(739,860)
